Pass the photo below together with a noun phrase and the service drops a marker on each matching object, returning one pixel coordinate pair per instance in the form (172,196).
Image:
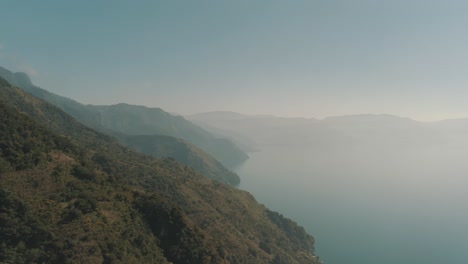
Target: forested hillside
(72,195)
(132,124)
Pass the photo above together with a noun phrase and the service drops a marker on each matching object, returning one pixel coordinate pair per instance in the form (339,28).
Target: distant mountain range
(70,194)
(360,130)
(250,130)
(152,124)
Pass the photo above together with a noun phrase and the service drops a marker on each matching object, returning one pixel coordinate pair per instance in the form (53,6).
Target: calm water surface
(368,205)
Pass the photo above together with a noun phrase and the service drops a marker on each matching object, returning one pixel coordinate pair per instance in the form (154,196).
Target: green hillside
(125,121)
(72,195)
(134,120)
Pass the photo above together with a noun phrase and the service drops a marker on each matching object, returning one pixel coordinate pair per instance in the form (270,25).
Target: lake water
(369,205)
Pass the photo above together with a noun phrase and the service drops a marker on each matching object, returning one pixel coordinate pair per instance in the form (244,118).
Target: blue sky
(289,58)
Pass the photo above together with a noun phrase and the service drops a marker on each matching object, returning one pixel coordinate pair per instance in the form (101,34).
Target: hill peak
(17,78)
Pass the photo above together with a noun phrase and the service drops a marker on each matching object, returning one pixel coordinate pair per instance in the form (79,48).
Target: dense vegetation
(69,194)
(135,120)
(136,123)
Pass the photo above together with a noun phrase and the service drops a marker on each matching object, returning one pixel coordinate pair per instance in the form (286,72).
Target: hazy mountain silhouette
(124,121)
(353,129)
(185,153)
(69,193)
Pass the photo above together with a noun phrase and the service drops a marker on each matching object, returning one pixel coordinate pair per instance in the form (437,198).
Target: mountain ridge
(92,115)
(69,194)
(121,119)
(358,130)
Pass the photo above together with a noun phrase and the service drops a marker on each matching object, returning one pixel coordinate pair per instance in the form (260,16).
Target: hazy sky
(311,58)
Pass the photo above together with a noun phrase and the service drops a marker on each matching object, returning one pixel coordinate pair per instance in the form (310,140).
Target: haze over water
(369,204)
(365,203)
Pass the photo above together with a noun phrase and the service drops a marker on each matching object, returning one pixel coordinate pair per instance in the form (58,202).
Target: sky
(308,58)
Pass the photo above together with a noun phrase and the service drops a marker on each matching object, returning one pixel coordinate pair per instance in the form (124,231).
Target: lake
(369,204)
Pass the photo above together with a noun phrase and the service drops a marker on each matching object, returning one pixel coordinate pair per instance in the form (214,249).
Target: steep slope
(165,146)
(72,195)
(135,120)
(140,120)
(91,116)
